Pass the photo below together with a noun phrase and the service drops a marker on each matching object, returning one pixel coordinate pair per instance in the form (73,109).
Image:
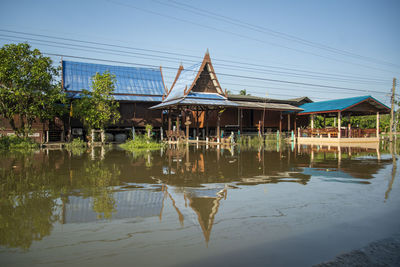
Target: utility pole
(392,111)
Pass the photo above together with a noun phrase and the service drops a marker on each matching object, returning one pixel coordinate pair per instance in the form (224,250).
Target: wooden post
(102,136)
(312,122)
(377,125)
(241,116)
(169,121)
(339,123)
(218,126)
(280,121)
(392,111)
(295,124)
(206,118)
(92,141)
(197,123)
(288,122)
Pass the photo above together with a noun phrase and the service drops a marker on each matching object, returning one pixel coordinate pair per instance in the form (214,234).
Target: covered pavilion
(354,106)
(197,100)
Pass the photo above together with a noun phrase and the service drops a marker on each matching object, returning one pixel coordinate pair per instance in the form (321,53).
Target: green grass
(77,146)
(141,143)
(17,143)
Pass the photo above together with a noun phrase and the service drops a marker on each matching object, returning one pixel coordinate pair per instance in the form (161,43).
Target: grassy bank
(141,143)
(17,143)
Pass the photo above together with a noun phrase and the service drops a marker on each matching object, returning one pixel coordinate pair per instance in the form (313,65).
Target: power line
(249,77)
(241,35)
(307,72)
(227,74)
(170,59)
(240,23)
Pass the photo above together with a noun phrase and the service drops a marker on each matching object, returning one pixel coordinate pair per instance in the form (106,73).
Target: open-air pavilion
(355,106)
(197,100)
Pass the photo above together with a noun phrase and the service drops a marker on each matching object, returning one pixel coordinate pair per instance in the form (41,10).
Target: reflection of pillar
(377,124)
(339,123)
(288,122)
(295,124)
(312,156)
(102,152)
(280,121)
(339,156)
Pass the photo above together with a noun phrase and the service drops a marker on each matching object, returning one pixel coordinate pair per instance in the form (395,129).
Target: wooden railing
(333,132)
(175,135)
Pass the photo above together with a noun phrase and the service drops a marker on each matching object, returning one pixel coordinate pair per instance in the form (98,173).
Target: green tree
(97,108)
(243,92)
(28,87)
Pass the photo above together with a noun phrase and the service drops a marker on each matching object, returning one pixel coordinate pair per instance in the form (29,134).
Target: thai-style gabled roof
(132,83)
(186,79)
(361,105)
(196,86)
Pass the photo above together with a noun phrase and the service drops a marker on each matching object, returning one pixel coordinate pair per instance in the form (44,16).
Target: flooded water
(294,206)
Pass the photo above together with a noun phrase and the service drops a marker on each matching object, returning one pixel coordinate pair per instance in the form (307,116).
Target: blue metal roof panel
(133,98)
(332,105)
(184,81)
(130,80)
(208,102)
(206,95)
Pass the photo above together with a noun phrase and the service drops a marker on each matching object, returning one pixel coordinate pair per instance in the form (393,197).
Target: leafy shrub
(141,143)
(17,143)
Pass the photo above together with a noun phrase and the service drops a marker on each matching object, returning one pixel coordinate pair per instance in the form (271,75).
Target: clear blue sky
(268,38)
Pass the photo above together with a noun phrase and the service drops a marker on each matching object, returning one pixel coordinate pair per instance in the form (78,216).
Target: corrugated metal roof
(269,106)
(184,81)
(130,80)
(196,102)
(338,104)
(205,95)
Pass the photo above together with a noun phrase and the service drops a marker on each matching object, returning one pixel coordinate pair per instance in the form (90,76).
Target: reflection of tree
(31,186)
(27,204)
(97,180)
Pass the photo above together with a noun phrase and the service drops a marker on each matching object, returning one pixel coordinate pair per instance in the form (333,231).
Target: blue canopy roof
(133,84)
(340,105)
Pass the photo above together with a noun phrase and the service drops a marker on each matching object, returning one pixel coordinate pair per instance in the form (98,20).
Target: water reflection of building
(199,205)
(129,204)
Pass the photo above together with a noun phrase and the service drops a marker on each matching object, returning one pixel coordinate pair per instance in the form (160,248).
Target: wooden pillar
(377,124)
(206,118)
(295,124)
(218,126)
(312,122)
(288,122)
(339,123)
(169,121)
(240,121)
(187,128)
(280,122)
(197,123)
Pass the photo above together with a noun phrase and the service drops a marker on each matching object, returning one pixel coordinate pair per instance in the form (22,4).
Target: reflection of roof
(129,204)
(132,84)
(346,104)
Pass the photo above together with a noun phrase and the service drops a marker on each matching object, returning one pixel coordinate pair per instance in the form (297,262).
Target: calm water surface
(194,206)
